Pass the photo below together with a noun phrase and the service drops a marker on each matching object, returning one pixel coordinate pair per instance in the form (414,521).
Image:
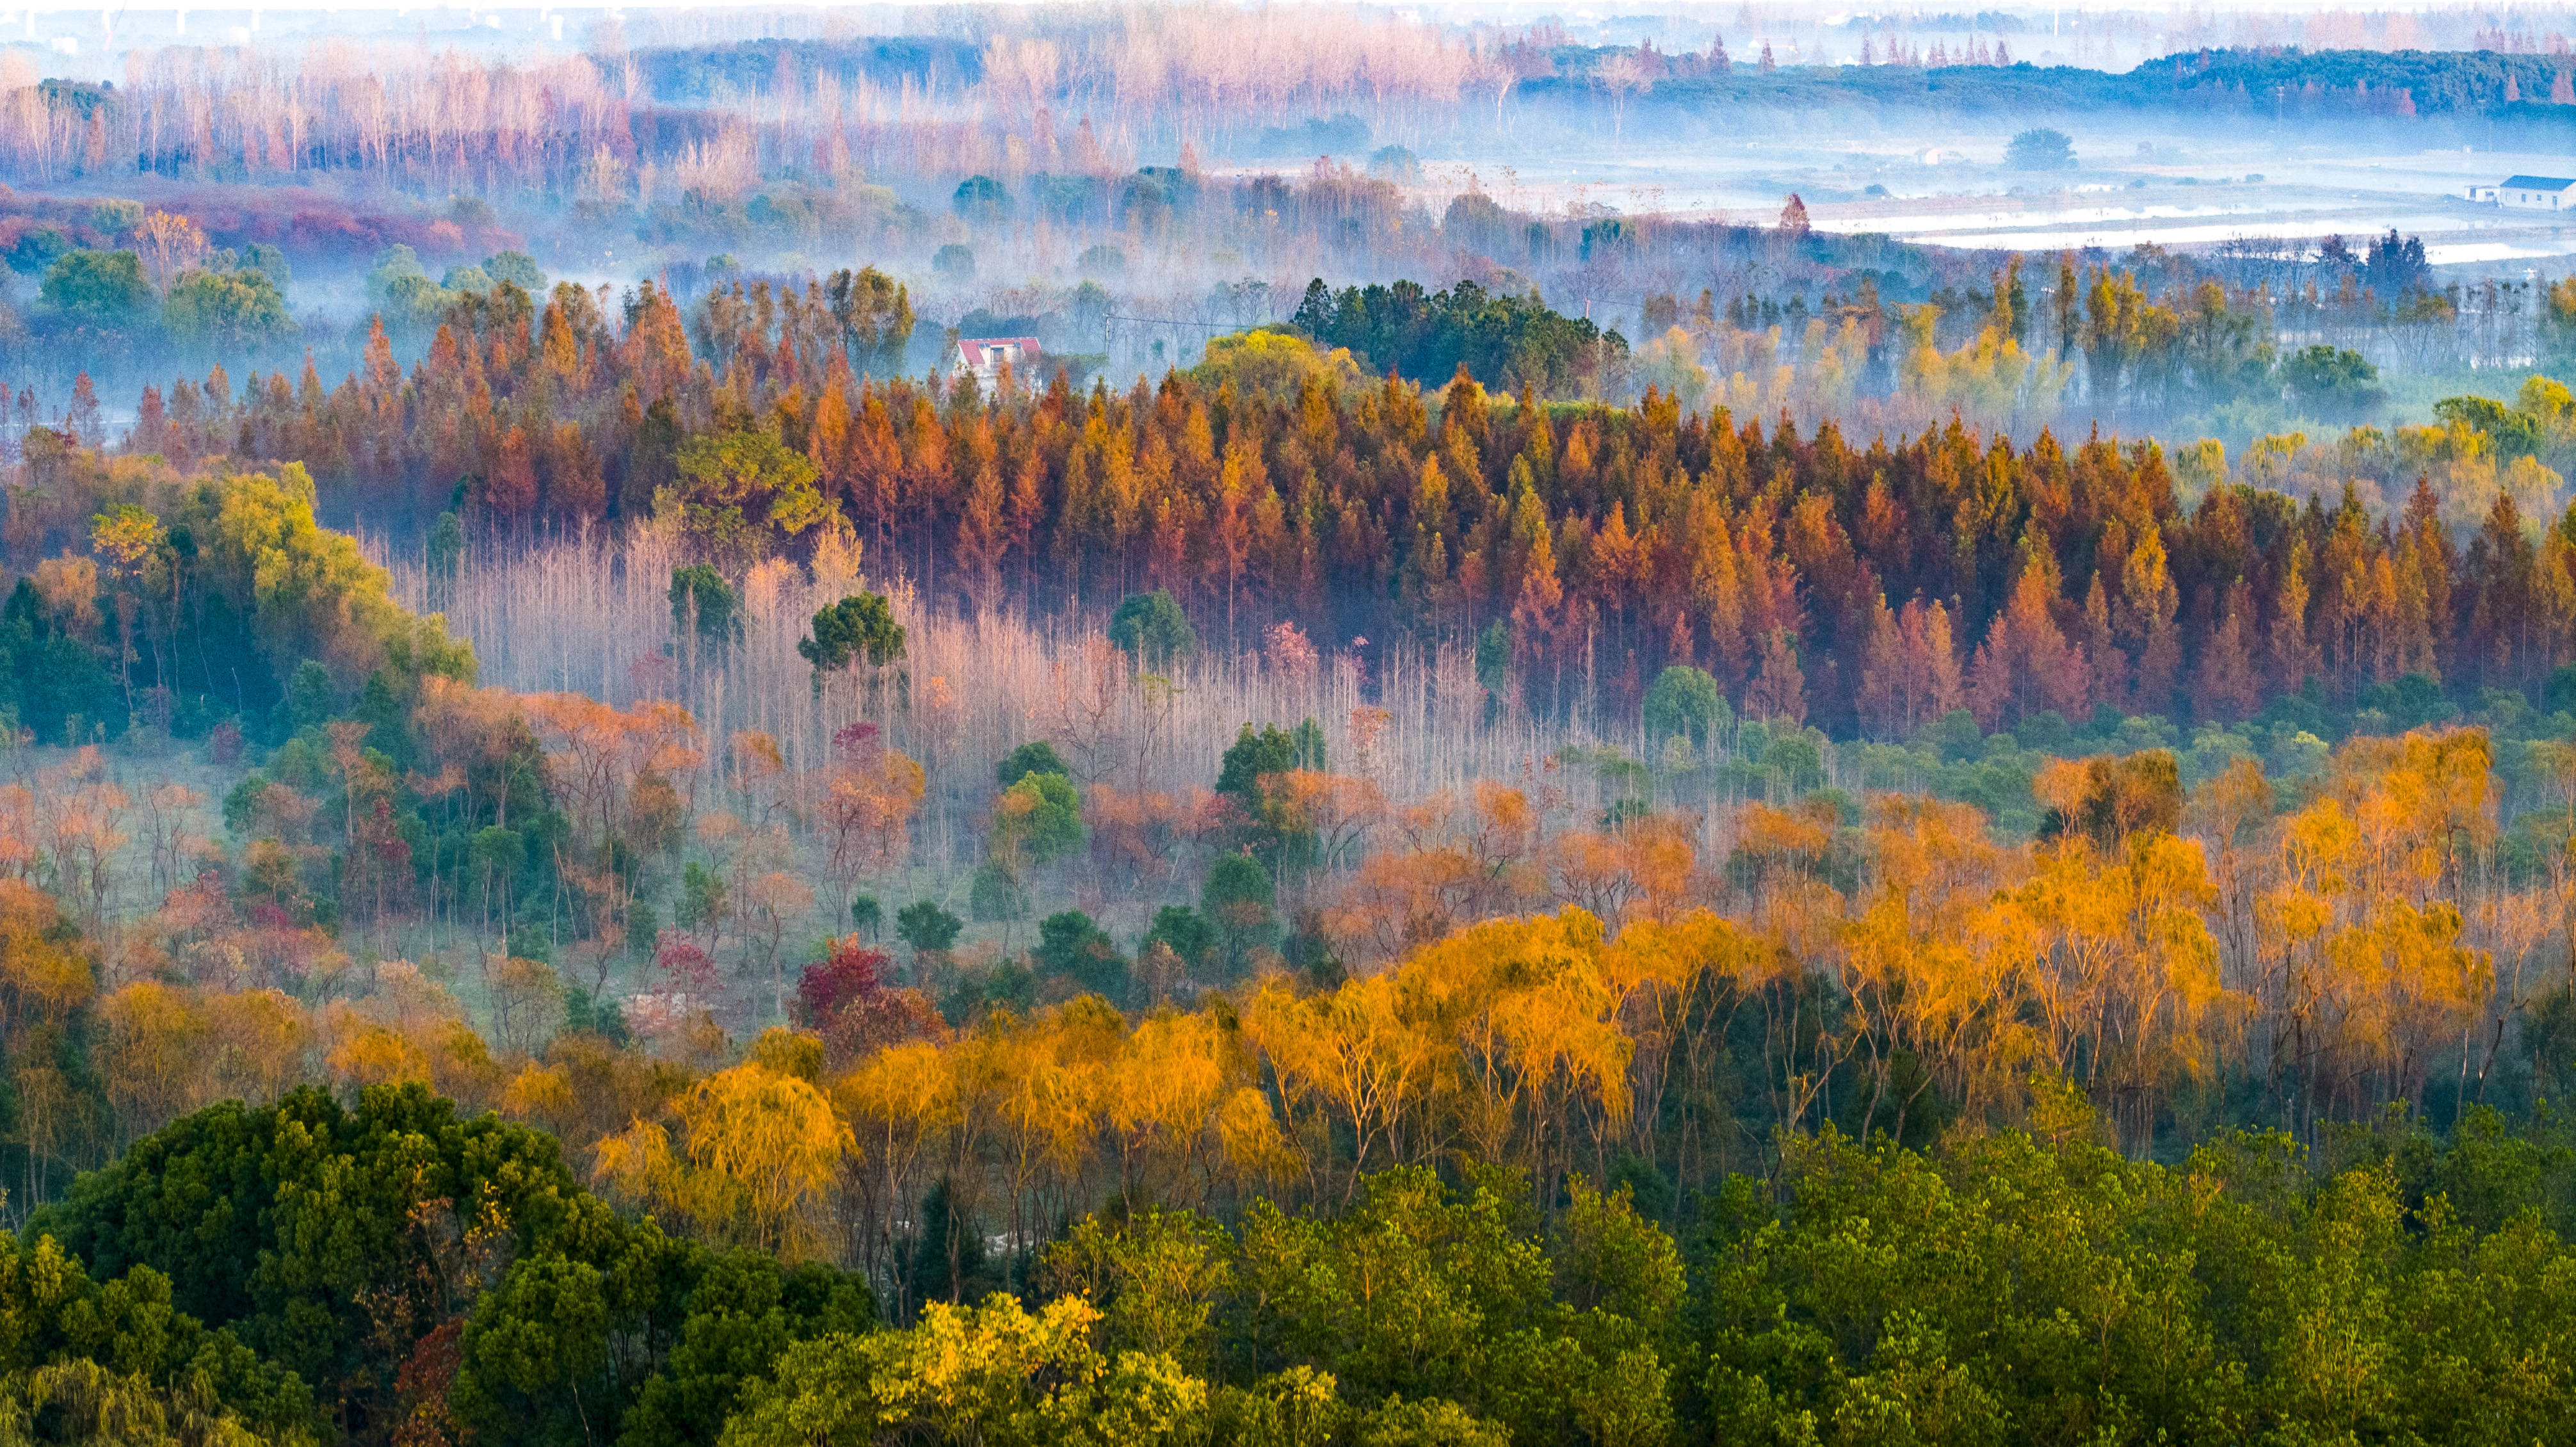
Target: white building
(2531,193)
(984,357)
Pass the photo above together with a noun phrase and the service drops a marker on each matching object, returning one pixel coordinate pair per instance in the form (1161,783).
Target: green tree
(1153,632)
(1494,666)
(981,199)
(926,927)
(517,268)
(268,261)
(225,309)
(1185,931)
(1244,774)
(334,1235)
(37,248)
(105,290)
(1424,1295)
(1072,946)
(875,317)
(740,491)
(50,678)
(859,627)
(1156,1276)
(1239,901)
(703,600)
(406,299)
(745,1310)
(1036,757)
(995,895)
(1685,703)
(2041,149)
(2333,382)
(542,1334)
(446,546)
(83,1360)
(311,697)
(704,902)
(1039,817)
(1254,756)
(2510,431)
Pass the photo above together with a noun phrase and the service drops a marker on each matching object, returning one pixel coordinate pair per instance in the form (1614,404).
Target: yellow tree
(1051,1091)
(1534,1027)
(1924,993)
(154,1056)
(1659,970)
(903,1104)
(755,1148)
(1168,1087)
(1352,1060)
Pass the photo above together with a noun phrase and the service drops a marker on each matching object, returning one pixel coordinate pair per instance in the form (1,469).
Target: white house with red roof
(984,357)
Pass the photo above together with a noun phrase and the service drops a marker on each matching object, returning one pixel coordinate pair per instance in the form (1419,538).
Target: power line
(1177,322)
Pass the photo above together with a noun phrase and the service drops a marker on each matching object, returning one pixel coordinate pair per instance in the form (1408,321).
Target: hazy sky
(1724,9)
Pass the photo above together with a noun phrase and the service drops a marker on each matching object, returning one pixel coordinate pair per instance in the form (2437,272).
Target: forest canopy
(1121,732)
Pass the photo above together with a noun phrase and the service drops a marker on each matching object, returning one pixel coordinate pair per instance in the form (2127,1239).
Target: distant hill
(2307,84)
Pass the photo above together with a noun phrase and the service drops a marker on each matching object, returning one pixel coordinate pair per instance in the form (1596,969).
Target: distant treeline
(2439,82)
(2282,81)
(698,74)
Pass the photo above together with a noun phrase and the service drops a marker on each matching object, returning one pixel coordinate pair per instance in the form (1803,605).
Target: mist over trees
(1445,812)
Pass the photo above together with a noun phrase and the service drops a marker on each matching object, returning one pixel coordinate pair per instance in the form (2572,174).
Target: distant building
(2532,193)
(984,357)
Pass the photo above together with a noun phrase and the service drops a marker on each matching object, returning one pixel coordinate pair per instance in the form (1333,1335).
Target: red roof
(987,351)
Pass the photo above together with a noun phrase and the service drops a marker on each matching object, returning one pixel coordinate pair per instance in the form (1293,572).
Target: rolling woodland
(1931,849)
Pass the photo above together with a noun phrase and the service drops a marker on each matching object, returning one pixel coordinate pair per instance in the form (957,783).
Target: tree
(754,1146)
(1476,222)
(875,317)
(1239,900)
(987,1373)
(1185,932)
(2397,266)
(743,1311)
(225,310)
(1070,945)
(1274,364)
(929,929)
(2333,382)
(39,247)
(2040,149)
(1793,217)
(704,604)
(859,627)
(1255,756)
(2107,800)
(1036,757)
(1153,632)
(170,245)
(738,492)
(867,811)
(981,199)
(1684,702)
(337,1257)
(2511,431)
(517,268)
(1038,817)
(102,289)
